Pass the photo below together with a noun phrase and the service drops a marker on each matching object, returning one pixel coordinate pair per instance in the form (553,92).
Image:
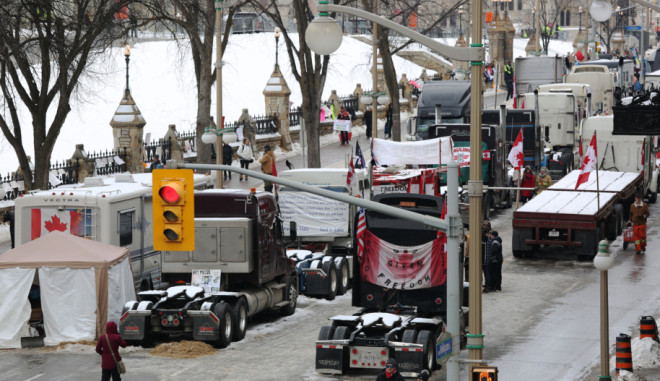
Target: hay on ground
(184,349)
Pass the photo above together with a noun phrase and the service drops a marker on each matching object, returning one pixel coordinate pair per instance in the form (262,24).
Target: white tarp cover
(315,216)
(608,181)
(75,319)
(428,152)
(15,286)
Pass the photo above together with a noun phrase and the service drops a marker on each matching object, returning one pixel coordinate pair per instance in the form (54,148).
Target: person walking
(486,255)
(390,373)
(227,156)
(108,347)
(388,121)
(496,260)
(155,163)
(543,180)
(267,161)
(527,182)
(343,115)
(246,156)
(368,121)
(639,213)
(508,79)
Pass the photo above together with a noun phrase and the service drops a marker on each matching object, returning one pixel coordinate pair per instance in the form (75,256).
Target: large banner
(430,152)
(314,215)
(403,267)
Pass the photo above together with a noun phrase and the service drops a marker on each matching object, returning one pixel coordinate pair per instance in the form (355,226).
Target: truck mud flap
(133,325)
(330,358)
(316,282)
(205,326)
(410,360)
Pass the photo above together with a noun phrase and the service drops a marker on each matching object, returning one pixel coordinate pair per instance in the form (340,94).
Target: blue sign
(634,27)
(442,348)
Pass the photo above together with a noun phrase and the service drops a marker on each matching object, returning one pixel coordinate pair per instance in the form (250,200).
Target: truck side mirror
(293,231)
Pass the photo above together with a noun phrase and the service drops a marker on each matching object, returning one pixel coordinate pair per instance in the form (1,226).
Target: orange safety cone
(648,328)
(623,353)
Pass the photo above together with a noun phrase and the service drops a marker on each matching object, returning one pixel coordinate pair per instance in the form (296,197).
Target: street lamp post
(218,88)
(324,36)
(127,54)
(277,41)
(460,19)
(603,261)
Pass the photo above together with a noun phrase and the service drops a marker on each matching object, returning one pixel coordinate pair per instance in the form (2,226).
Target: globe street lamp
(603,261)
(277,41)
(323,36)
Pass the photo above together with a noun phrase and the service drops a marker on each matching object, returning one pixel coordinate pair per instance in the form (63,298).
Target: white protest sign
(342,125)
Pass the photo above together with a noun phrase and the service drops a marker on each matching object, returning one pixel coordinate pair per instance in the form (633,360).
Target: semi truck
(452,97)
(400,285)
(115,209)
(531,72)
(323,226)
(240,251)
(602,85)
(575,219)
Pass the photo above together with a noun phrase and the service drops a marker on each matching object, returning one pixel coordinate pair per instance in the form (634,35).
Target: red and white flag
(403,267)
(516,155)
(351,173)
(589,162)
(359,234)
(46,220)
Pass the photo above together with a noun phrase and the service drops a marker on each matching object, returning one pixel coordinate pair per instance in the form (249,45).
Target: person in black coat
(8,216)
(496,260)
(388,121)
(368,121)
(390,372)
(227,155)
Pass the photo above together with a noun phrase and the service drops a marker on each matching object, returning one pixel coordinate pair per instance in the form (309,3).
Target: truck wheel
(519,253)
(341,333)
(610,227)
(223,312)
(425,337)
(291,296)
(344,279)
(328,267)
(239,319)
(409,336)
(326,332)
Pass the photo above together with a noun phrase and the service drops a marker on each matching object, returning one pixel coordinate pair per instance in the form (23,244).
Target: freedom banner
(403,267)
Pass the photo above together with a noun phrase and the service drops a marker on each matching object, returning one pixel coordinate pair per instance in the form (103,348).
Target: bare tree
(548,13)
(197,19)
(309,69)
(617,22)
(45,47)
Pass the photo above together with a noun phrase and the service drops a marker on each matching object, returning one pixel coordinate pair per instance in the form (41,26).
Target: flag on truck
(359,157)
(46,220)
(589,162)
(351,173)
(403,267)
(516,155)
(359,234)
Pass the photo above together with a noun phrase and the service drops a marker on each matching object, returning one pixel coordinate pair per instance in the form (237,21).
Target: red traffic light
(170,194)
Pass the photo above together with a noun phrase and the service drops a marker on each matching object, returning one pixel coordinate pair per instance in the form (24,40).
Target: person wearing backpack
(246,156)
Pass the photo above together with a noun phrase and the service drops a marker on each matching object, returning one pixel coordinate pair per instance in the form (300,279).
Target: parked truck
(575,219)
(114,209)
(400,285)
(239,248)
(602,85)
(326,227)
(451,97)
(533,71)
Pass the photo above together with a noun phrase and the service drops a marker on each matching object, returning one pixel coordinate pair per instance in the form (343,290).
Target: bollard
(623,353)
(648,328)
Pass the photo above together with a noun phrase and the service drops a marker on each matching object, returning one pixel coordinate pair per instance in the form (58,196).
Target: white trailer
(116,210)
(601,81)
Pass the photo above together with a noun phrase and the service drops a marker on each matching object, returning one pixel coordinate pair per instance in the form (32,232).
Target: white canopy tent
(83,285)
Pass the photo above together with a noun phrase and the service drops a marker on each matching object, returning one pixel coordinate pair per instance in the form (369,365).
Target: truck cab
(453,99)
(601,81)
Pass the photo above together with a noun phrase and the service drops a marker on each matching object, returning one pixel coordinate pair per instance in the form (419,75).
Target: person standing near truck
(543,180)
(496,260)
(527,182)
(639,212)
(108,347)
(245,153)
(390,372)
(508,79)
(267,162)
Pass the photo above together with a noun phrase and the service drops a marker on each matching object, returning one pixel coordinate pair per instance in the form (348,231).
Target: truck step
(278,286)
(280,304)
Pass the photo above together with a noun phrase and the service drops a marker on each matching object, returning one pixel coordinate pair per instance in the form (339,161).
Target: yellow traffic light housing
(484,373)
(173,209)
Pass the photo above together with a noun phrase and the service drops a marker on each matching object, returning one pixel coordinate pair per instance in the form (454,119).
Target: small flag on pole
(516,155)
(589,163)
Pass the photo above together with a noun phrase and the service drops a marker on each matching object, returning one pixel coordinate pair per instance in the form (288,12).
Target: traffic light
(484,373)
(173,209)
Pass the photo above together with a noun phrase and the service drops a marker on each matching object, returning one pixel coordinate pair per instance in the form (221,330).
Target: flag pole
(518,190)
(597,186)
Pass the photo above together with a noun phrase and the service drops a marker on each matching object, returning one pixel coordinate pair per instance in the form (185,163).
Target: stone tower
(128,129)
(276,95)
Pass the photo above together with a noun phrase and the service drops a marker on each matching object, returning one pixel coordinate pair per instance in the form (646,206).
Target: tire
(519,253)
(341,333)
(485,204)
(344,278)
(291,296)
(239,318)
(409,336)
(611,227)
(223,312)
(425,337)
(328,267)
(326,333)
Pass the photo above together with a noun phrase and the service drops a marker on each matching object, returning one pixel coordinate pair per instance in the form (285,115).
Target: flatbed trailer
(573,218)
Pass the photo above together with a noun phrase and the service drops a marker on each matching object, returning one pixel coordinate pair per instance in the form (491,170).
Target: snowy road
(544,322)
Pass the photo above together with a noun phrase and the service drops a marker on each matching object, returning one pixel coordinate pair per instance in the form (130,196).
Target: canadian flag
(403,267)
(516,156)
(589,162)
(351,173)
(47,220)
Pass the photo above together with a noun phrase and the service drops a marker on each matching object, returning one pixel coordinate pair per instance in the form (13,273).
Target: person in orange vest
(639,212)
